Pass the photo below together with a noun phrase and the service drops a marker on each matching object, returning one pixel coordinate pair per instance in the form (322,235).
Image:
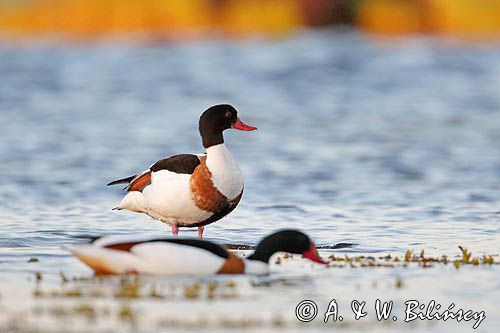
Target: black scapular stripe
(183,163)
(205,245)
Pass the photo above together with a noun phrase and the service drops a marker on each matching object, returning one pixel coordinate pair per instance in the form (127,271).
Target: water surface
(388,145)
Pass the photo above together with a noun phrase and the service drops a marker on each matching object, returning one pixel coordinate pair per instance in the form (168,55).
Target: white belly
(168,199)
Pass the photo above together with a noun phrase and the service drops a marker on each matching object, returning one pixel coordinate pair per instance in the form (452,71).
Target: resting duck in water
(179,256)
(191,190)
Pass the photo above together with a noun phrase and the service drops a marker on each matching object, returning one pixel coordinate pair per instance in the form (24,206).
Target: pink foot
(200,232)
(175,230)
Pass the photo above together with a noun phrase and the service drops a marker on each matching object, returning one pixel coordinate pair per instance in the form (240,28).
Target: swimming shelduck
(191,190)
(188,256)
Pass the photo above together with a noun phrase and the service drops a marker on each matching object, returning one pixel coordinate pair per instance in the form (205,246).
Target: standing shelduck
(187,256)
(191,190)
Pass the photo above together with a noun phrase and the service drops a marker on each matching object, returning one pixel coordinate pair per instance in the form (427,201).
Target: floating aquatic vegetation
(212,287)
(128,290)
(230,284)
(81,309)
(64,278)
(465,254)
(399,283)
(85,309)
(73,292)
(153,293)
(407,255)
(409,258)
(192,291)
(488,260)
(126,313)
(467,259)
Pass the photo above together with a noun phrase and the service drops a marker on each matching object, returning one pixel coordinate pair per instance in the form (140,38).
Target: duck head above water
(292,241)
(216,120)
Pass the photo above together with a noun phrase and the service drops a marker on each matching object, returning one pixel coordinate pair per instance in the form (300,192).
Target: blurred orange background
(165,19)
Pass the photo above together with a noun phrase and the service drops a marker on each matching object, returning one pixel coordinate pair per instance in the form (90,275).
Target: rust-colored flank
(205,195)
(232,265)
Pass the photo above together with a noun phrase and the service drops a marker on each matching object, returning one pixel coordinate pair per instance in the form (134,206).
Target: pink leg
(200,232)
(175,230)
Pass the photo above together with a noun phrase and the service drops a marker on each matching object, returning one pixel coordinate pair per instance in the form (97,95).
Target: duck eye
(228,114)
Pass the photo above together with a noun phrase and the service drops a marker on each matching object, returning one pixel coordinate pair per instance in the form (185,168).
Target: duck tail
(102,261)
(121,181)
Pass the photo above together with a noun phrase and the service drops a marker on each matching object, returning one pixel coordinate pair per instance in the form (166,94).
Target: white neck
(226,175)
(256,267)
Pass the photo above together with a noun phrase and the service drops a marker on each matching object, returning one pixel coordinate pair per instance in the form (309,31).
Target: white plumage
(226,174)
(168,198)
(150,258)
(157,257)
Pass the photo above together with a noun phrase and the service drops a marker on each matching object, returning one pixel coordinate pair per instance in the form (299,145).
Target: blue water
(389,145)
(386,144)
